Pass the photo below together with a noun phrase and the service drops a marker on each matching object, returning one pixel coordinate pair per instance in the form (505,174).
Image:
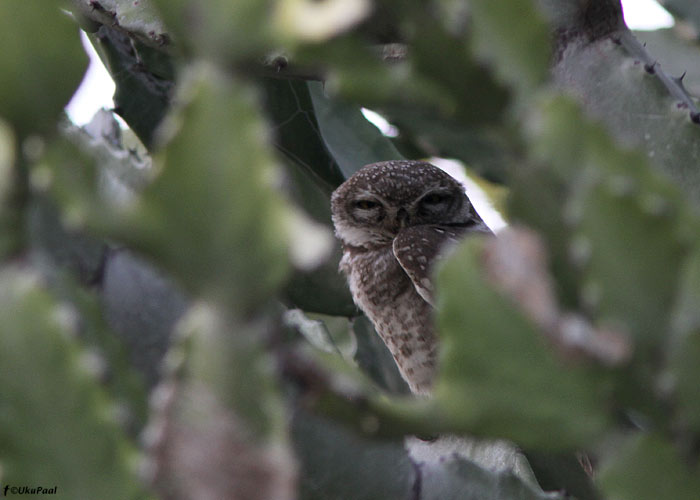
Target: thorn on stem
(650,68)
(695,117)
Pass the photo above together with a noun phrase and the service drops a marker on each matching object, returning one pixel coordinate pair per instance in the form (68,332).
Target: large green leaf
(498,377)
(10,235)
(57,428)
(220,30)
(213,216)
(619,224)
(352,140)
(637,108)
(647,468)
(520,51)
(143,77)
(684,351)
(296,134)
(38,74)
(337,464)
(223,418)
(139,18)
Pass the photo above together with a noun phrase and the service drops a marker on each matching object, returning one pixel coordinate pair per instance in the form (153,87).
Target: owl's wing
(418,247)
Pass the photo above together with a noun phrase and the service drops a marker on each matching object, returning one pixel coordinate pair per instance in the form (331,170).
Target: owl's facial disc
(380,200)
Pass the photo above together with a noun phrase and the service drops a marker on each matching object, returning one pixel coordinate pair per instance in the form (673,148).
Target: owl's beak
(402,218)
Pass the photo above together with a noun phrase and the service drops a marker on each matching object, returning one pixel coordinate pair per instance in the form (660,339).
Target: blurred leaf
(374,77)
(136,17)
(119,379)
(212,216)
(70,176)
(220,31)
(351,139)
(684,352)
(648,468)
(445,60)
(223,419)
(318,21)
(335,463)
(637,110)
(685,10)
(55,423)
(487,150)
(65,249)
(141,306)
(40,73)
(497,375)
(9,214)
(631,252)
(626,223)
(519,51)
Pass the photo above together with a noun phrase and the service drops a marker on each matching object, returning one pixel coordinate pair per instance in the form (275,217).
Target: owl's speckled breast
(402,318)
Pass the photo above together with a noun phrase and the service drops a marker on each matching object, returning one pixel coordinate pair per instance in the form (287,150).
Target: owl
(394,219)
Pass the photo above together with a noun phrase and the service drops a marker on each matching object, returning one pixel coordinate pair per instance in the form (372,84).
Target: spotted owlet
(394,218)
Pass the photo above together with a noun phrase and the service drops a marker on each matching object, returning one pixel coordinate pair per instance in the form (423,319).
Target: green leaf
(647,467)
(121,381)
(352,140)
(445,59)
(135,17)
(10,236)
(41,63)
(684,352)
(141,306)
(520,50)
(143,77)
(223,418)
(631,269)
(636,108)
(497,375)
(213,217)
(296,135)
(335,463)
(220,31)
(623,227)
(57,428)
(66,249)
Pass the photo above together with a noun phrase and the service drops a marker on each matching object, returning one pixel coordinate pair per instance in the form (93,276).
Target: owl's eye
(366,204)
(435,198)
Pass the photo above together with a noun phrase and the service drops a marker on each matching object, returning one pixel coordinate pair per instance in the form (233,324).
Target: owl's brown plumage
(394,218)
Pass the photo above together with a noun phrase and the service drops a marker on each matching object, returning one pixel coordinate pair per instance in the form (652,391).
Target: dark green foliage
(39,72)
(196,268)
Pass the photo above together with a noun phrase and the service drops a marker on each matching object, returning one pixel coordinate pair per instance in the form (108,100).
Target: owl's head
(379,200)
